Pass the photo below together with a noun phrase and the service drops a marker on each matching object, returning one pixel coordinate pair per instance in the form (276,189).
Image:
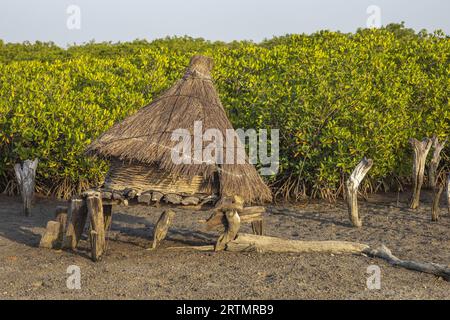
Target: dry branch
(352,184)
(25,174)
(421,149)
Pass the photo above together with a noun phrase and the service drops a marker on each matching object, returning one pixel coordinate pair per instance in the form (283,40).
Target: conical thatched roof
(145,136)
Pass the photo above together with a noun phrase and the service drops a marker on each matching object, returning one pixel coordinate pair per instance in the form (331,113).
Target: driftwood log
(352,185)
(248,242)
(78,216)
(26,174)
(97,229)
(162,227)
(421,149)
(434,163)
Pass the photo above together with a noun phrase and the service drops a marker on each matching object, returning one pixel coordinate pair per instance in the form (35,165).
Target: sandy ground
(129,271)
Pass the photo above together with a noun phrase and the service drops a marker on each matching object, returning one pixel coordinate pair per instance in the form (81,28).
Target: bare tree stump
(434,163)
(231,229)
(97,229)
(26,175)
(352,184)
(437,191)
(78,217)
(51,236)
(258,227)
(421,149)
(162,227)
(107,213)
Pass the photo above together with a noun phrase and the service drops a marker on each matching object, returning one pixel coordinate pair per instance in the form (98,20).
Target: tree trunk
(26,174)
(97,230)
(437,191)
(78,217)
(352,184)
(421,149)
(162,227)
(448,193)
(434,163)
(50,238)
(232,227)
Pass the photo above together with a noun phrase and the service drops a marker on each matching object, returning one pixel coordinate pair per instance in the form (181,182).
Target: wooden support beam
(437,192)
(232,227)
(26,174)
(97,229)
(434,163)
(421,149)
(61,214)
(50,239)
(352,185)
(162,227)
(75,227)
(258,227)
(107,213)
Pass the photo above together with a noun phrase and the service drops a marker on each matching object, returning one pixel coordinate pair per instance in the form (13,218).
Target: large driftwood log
(26,174)
(231,230)
(434,163)
(352,185)
(249,242)
(421,149)
(162,227)
(97,229)
(50,239)
(426,267)
(75,227)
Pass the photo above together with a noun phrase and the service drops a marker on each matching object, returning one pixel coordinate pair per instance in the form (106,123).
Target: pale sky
(126,20)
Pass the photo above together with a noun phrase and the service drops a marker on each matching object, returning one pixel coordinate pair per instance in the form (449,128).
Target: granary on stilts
(144,168)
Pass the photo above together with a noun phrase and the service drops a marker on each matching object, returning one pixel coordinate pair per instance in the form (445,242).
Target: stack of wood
(153,197)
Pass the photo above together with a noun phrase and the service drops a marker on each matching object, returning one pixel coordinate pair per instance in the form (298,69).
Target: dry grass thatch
(146,135)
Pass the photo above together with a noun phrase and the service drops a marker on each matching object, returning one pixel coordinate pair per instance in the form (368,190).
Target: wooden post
(26,174)
(97,229)
(437,191)
(162,227)
(61,217)
(421,149)
(50,238)
(258,227)
(78,216)
(352,184)
(434,163)
(231,230)
(107,212)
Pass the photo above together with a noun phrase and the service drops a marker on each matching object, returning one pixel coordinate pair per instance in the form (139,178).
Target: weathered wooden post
(231,230)
(352,185)
(434,163)
(78,216)
(162,227)
(97,229)
(421,149)
(26,174)
(437,191)
(448,192)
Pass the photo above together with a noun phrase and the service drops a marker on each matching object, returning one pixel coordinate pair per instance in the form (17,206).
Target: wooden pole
(61,217)
(97,229)
(352,185)
(75,227)
(232,227)
(421,149)
(448,192)
(434,163)
(50,238)
(107,213)
(162,227)
(26,175)
(258,227)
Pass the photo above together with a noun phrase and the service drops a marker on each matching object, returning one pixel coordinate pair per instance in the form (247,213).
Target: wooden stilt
(107,213)
(231,229)
(75,227)
(434,163)
(25,174)
(50,238)
(97,229)
(437,192)
(162,227)
(61,217)
(258,227)
(421,149)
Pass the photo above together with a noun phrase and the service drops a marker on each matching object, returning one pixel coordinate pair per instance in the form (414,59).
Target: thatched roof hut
(140,147)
